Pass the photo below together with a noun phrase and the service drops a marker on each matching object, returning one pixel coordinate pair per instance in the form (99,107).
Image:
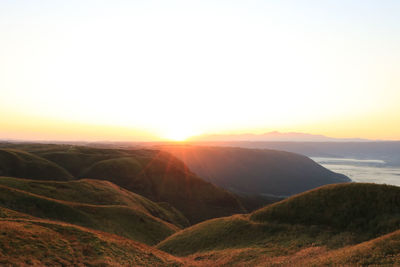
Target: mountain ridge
(273,136)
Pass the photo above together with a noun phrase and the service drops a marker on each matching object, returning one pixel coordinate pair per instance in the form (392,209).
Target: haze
(151,70)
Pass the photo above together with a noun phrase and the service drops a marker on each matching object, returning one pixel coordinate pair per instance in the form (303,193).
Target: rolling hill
(97,192)
(35,242)
(255,171)
(153,174)
(132,217)
(333,216)
(382,251)
(17,163)
(80,221)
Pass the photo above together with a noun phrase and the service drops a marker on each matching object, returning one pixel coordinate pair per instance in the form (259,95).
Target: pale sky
(144,70)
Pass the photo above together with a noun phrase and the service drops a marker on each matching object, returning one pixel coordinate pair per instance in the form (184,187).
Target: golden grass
(41,242)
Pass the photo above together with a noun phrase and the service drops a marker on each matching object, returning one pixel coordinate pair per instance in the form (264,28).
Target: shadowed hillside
(255,171)
(165,178)
(332,216)
(21,164)
(156,175)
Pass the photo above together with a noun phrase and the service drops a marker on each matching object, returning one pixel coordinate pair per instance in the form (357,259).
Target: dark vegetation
(255,171)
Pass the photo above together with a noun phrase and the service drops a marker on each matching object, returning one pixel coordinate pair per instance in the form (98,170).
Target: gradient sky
(141,70)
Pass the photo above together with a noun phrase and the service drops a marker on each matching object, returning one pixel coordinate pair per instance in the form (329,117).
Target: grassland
(333,216)
(382,251)
(77,221)
(21,164)
(153,174)
(97,192)
(132,220)
(32,242)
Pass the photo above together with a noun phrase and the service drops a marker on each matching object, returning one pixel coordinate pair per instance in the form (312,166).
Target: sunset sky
(151,70)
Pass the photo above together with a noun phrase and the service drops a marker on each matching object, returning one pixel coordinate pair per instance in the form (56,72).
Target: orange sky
(151,70)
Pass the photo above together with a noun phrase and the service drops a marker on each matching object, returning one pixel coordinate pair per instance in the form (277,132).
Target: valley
(147,207)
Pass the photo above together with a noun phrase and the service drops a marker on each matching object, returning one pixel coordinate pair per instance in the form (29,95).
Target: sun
(178,134)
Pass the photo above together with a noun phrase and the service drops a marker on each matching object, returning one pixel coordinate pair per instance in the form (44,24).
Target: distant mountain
(255,171)
(273,136)
(388,151)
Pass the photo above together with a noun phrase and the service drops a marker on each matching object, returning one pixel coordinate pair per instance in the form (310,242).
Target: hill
(333,216)
(133,220)
(164,178)
(382,251)
(27,242)
(388,151)
(21,164)
(153,174)
(97,192)
(255,171)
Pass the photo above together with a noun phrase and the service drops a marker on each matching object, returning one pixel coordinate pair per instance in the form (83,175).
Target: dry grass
(122,220)
(45,243)
(382,251)
(333,216)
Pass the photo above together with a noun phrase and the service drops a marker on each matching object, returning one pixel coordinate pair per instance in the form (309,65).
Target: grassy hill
(164,178)
(97,192)
(333,216)
(255,171)
(21,164)
(156,175)
(368,208)
(33,242)
(133,220)
(382,251)
(99,222)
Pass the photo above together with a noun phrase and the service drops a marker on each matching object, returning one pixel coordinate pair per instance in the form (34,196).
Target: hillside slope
(164,178)
(255,171)
(156,175)
(22,164)
(133,221)
(332,216)
(97,192)
(33,242)
(382,251)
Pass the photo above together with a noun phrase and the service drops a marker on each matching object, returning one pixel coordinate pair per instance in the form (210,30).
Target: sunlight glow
(178,134)
(186,67)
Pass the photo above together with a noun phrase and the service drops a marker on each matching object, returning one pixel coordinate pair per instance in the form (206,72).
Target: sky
(155,70)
